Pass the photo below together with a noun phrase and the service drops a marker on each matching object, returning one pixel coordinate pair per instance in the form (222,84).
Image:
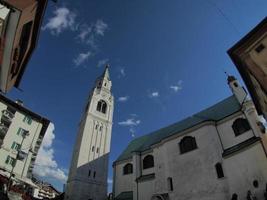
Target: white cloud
(122,71)
(63,19)
(177,86)
(123,99)
(81,58)
(132,131)
(154,94)
(85,30)
(45,165)
(102,62)
(130,122)
(100,27)
(89,34)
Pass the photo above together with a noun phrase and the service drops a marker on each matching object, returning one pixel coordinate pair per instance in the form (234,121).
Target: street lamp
(19,156)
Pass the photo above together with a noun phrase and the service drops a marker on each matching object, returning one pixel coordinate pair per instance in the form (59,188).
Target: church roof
(216,112)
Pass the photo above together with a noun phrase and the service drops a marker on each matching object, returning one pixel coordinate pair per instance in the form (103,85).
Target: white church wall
(161,168)
(146,189)
(193,173)
(123,183)
(227,133)
(242,168)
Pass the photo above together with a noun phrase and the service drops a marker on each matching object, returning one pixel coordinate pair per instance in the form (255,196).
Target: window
(101,106)
(170,184)
(12,110)
(188,143)
(235,84)
(256,183)
(128,169)
(94,174)
(21,132)
(28,120)
(15,146)
(148,162)
(89,173)
(219,170)
(96,127)
(10,161)
(240,126)
(97,150)
(259,48)
(234,197)
(93,148)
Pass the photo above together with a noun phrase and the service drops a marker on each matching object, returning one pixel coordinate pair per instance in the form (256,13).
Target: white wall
(227,134)
(29,142)
(243,168)
(123,182)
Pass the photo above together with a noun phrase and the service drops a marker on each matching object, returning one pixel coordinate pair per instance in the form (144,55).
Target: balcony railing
(3,131)
(7,115)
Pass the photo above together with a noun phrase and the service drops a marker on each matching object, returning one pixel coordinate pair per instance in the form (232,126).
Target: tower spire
(106,72)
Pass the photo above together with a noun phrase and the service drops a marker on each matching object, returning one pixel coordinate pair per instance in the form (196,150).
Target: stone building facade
(89,167)
(217,153)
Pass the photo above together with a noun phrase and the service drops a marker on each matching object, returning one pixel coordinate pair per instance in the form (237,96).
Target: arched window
(240,126)
(188,143)
(128,169)
(101,106)
(148,162)
(170,184)
(104,107)
(219,170)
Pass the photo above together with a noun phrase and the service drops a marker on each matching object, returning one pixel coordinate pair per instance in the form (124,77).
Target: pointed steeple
(106,73)
(103,81)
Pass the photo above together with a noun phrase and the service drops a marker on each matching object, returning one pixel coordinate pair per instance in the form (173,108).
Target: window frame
(15,146)
(240,126)
(170,184)
(182,144)
(27,119)
(102,106)
(127,169)
(219,170)
(146,163)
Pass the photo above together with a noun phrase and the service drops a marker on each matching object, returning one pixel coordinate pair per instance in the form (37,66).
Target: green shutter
(13,145)
(7,160)
(30,121)
(13,162)
(19,131)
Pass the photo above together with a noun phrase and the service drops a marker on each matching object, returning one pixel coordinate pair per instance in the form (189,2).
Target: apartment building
(21,134)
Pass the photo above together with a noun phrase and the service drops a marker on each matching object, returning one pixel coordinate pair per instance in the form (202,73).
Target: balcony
(7,116)
(3,130)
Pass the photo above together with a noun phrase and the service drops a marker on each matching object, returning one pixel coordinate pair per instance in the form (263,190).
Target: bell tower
(89,167)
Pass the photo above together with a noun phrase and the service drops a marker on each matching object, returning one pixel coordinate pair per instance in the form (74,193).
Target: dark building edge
(35,35)
(247,39)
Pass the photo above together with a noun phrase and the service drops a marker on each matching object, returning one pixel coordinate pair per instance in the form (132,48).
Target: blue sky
(167,62)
